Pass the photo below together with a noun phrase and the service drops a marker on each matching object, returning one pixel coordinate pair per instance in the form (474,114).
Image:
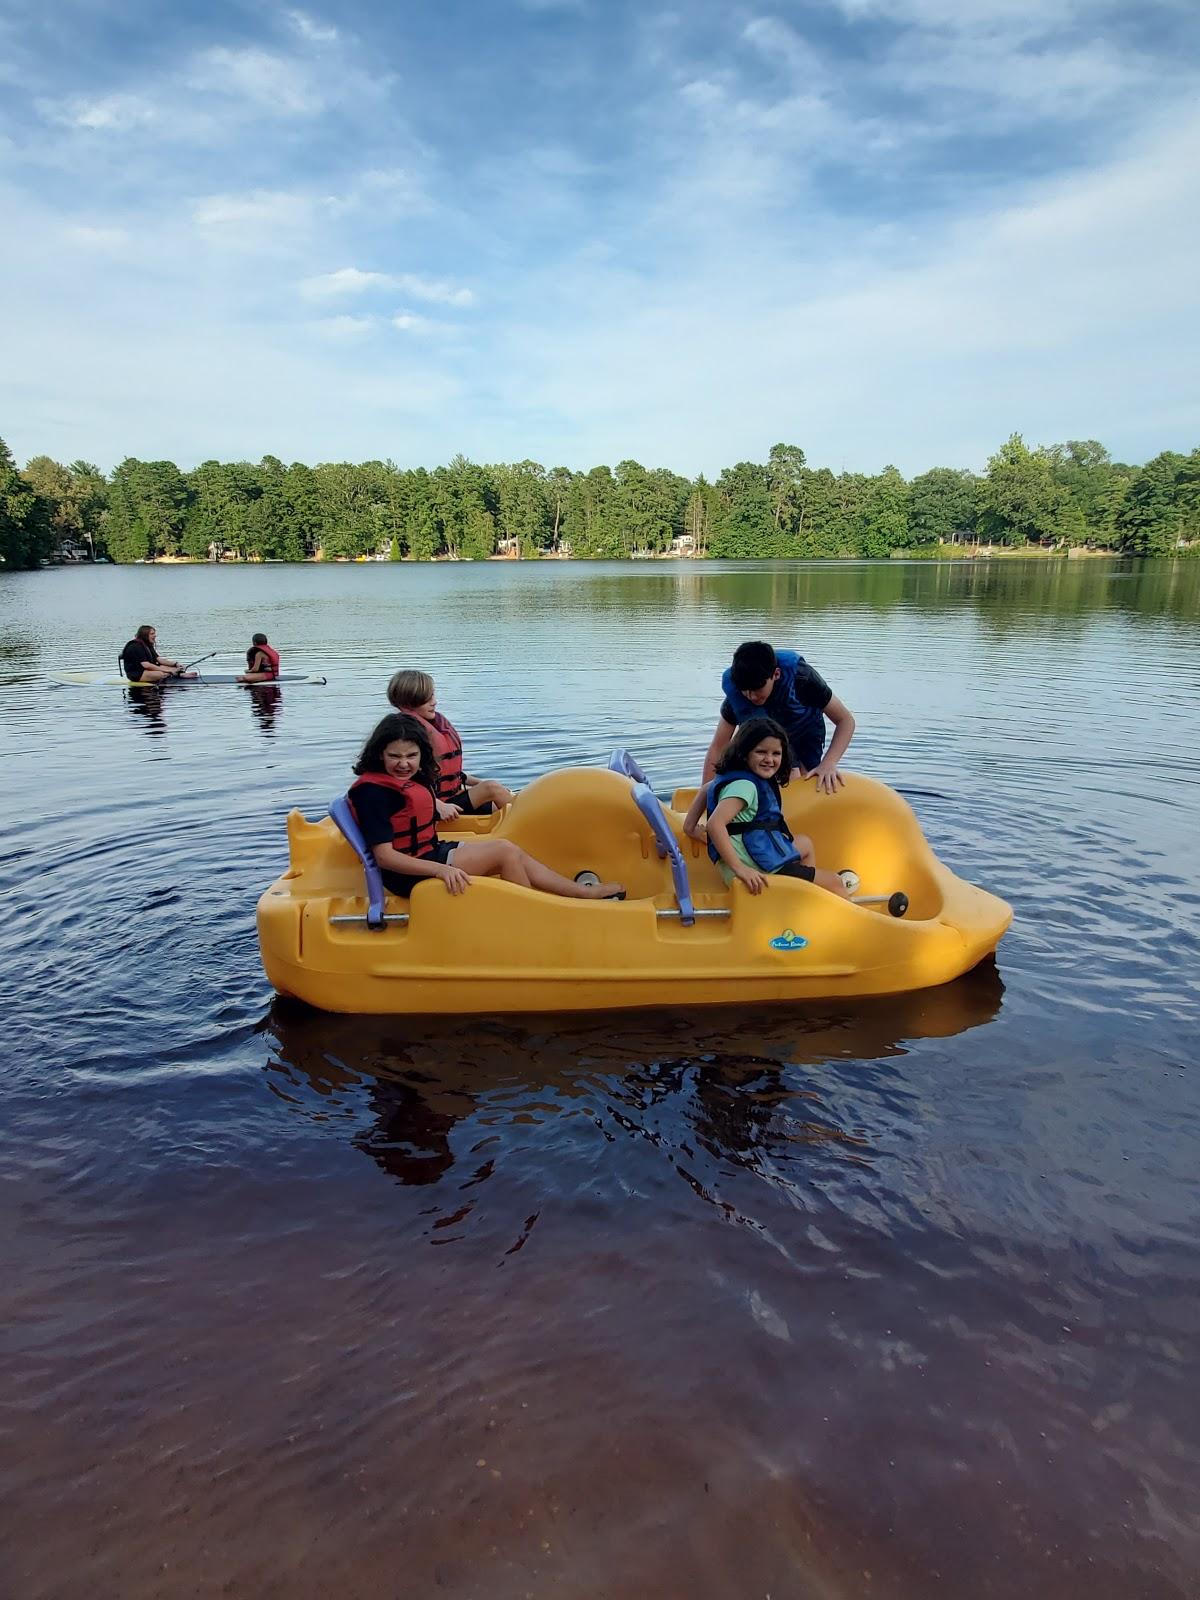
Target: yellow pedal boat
(330,936)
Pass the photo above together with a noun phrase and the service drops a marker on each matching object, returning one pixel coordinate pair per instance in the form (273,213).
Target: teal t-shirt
(739,789)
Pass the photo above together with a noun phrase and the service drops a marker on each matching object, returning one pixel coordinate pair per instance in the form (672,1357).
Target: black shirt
(374,807)
(135,656)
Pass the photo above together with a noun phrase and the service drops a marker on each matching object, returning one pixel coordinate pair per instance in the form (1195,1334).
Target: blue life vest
(768,839)
(804,725)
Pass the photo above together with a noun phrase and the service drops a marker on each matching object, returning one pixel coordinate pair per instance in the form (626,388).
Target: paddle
(179,671)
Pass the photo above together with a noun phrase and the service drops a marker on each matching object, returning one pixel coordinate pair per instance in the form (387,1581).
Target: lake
(878,1299)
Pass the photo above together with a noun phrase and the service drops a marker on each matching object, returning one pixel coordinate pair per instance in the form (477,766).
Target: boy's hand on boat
(829,779)
(455,879)
(756,882)
(698,830)
(446,812)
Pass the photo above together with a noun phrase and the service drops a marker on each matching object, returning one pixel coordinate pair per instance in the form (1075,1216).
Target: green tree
(220,511)
(883,524)
(1019,500)
(701,511)
(1084,471)
(347,499)
(76,496)
(559,481)
(785,481)
(1187,492)
(26,526)
(1149,522)
(944,502)
(591,524)
(746,524)
(148,506)
(523,508)
(479,535)
(302,509)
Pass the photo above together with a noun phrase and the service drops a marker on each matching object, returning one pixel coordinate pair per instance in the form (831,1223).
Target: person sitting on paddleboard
(262,662)
(747,835)
(141,662)
(781,684)
(458,794)
(394,800)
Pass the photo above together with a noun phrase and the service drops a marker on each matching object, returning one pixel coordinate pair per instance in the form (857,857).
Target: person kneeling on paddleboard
(141,662)
(262,662)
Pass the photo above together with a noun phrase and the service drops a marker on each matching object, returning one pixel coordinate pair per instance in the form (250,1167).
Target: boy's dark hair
(753,664)
(737,752)
(259,638)
(397,726)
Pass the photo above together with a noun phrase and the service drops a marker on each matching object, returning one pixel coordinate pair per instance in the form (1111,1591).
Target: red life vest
(414,821)
(448,750)
(269,652)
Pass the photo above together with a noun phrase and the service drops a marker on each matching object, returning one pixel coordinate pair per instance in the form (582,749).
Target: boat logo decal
(787,940)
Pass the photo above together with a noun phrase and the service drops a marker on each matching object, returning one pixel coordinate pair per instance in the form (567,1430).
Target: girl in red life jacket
(458,792)
(262,662)
(395,803)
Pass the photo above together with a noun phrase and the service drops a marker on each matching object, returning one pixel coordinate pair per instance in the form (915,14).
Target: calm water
(884,1300)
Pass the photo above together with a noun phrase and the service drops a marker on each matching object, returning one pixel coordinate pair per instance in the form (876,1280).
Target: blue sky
(584,230)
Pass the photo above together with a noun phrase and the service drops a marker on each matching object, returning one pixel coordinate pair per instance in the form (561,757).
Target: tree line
(1057,496)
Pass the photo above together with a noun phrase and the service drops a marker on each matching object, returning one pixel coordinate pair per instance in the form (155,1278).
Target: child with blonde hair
(458,793)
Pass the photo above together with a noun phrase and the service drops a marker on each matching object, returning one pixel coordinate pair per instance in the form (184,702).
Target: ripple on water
(833,1300)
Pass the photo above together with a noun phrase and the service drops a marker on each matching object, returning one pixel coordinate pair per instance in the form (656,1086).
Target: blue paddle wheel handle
(342,813)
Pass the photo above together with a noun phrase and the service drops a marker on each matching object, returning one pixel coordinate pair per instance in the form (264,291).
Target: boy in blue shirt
(781,684)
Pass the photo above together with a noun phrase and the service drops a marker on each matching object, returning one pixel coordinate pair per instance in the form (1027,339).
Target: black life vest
(414,819)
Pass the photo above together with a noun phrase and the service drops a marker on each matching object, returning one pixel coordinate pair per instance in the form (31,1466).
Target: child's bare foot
(602,891)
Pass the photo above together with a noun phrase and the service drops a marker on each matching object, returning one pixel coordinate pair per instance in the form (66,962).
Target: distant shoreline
(926,553)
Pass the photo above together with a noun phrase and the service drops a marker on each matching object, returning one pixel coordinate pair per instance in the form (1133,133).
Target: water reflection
(266,701)
(709,1081)
(1008,595)
(146,701)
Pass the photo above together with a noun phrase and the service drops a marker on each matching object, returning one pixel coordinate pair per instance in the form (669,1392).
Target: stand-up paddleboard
(199,681)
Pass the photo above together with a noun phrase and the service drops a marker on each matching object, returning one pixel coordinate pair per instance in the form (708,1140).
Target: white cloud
(344,327)
(93,238)
(314,32)
(410,322)
(1039,316)
(433,290)
(108,113)
(980,16)
(345,281)
(271,82)
(784,46)
(259,208)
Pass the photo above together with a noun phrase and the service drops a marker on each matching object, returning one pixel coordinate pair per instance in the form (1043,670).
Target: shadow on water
(732,1084)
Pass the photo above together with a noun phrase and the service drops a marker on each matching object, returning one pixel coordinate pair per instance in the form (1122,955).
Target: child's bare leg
(500,858)
(829,880)
(494,858)
(544,877)
(490,791)
(803,845)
